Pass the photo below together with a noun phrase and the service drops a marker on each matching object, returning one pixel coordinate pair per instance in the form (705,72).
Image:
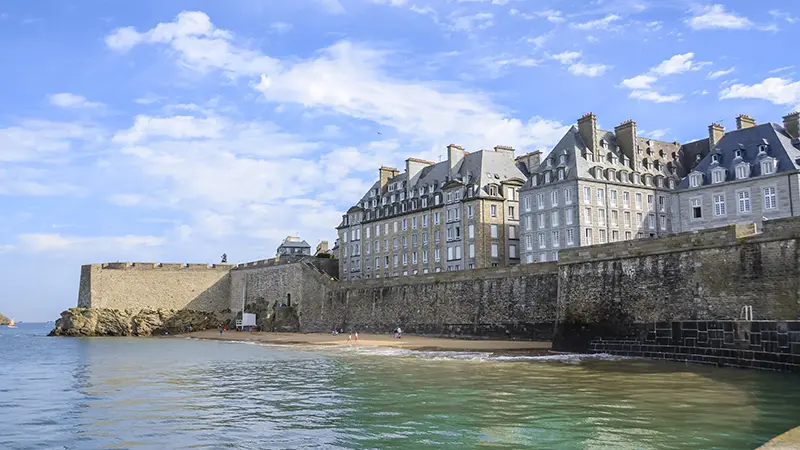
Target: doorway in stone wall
(288,300)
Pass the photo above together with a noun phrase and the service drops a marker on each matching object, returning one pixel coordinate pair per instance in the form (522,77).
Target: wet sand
(380,340)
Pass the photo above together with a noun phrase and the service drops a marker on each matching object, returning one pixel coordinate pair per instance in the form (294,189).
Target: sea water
(178,393)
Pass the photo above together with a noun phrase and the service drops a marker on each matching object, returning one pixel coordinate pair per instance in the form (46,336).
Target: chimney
(455,154)
(791,124)
(386,173)
(715,134)
(744,121)
(413,168)
(508,151)
(626,139)
(531,160)
(587,127)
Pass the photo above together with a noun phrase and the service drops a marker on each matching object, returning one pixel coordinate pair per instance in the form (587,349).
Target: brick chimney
(626,139)
(455,154)
(791,123)
(530,160)
(715,134)
(387,173)
(506,150)
(744,121)
(587,127)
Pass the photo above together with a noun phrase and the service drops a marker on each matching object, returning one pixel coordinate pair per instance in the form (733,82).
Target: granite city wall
(137,286)
(620,291)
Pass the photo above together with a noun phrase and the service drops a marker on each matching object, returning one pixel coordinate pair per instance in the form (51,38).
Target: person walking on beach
(356,337)
(350,338)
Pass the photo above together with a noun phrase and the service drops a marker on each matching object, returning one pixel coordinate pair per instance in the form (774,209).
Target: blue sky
(176,131)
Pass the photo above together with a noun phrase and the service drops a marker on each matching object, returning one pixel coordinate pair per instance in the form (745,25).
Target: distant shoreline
(408,342)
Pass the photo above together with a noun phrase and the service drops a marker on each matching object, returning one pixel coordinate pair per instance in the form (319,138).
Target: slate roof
(291,243)
(749,140)
(576,166)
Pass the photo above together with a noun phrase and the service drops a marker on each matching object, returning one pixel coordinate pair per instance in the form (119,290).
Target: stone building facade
(457,214)
(293,246)
(596,186)
(748,175)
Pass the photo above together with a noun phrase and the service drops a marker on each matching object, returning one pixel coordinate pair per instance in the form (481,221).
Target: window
(587,194)
(450,253)
(425,202)
(627,217)
(540,201)
(554,197)
(437,255)
(405,224)
(493,230)
(526,202)
(493,210)
(554,218)
(470,212)
(613,194)
(602,239)
(719,205)
(587,216)
(377,230)
(542,257)
(718,176)
(437,218)
(569,218)
(405,241)
(650,205)
(541,220)
(529,259)
(394,226)
(512,232)
(494,251)
(742,171)
(395,260)
(471,250)
(567,196)
(425,258)
(601,217)
(695,180)
(626,199)
(368,231)
(542,243)
(394,243)
(570,236)
(638,199)
(662,222)
(425,221)
(614,236)
(386,228)
(767,167)
(556,240)
(651,221)
(770,198)
(528,222)
(414,223)
(510,191)
(601,196)
(714,158)
(414,257)
(413,240)
(436,236)
(587,236)
(627,235)
(425,238)
(528,242)
(697,209)
(377,246)
(405,259)
(471,231)
(639,219)
(614,218)
(510,212)
(662,203)
(744,201)
(377,263)
(547,177)
(512,251)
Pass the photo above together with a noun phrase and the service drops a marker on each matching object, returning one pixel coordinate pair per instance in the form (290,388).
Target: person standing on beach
(356,337)
(350,338)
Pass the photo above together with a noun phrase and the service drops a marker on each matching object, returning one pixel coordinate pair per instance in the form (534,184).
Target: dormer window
(738,153)
(671,183)
(718,176)
(763,149)
(589,156)
(742,171)
(492,190)
(645,163)
(695,180)
(767,166)
(549,162)
(715,158)
(560,174)
(636,178)
(659,182)
(547,177)
(534,180)
(562,159)
(603,143)
(624,177)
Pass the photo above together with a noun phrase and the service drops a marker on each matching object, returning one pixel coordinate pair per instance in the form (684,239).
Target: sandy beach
(381,340)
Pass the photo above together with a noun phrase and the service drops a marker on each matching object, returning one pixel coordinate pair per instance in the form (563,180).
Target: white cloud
(781,69)
(654,96)
(655,134)
(719,73)
(6,248)
(599,24)
(539,41)
(779,91)
(715,16)
(126,199)
(479,21)
(56,242)
(639,82)
(553,16)
(589,70)
(677,64)
(199,45)
(178,127)
(41,140)
(331,6)
(68,100)
(280,27)
(566,57)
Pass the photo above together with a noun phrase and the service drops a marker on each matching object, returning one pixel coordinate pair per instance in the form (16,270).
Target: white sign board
(248,320)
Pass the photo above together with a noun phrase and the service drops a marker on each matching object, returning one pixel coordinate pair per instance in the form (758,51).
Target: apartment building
(456,214)
(747,175)
(597,186)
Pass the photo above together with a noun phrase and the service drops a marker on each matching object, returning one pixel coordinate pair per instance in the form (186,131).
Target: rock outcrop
(4,320)
(146,322)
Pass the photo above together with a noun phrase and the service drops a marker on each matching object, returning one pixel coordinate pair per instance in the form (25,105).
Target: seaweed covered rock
(146,322)
(4,320)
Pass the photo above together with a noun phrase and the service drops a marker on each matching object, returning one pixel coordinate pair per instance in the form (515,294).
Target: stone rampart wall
(137,286)
(613,290)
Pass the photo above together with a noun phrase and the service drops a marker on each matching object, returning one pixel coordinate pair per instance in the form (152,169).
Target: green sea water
(188,394)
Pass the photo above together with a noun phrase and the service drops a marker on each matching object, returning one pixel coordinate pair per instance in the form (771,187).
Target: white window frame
(770,198)
(717,176)
(742,171)
(695,203)
(695,180)
(744,203)
(720,208)
(768,166)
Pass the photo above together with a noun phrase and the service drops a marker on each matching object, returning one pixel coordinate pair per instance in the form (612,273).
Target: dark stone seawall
(769,345)
(679,297)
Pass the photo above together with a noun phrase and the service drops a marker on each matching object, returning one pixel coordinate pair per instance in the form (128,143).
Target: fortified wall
(137,286)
